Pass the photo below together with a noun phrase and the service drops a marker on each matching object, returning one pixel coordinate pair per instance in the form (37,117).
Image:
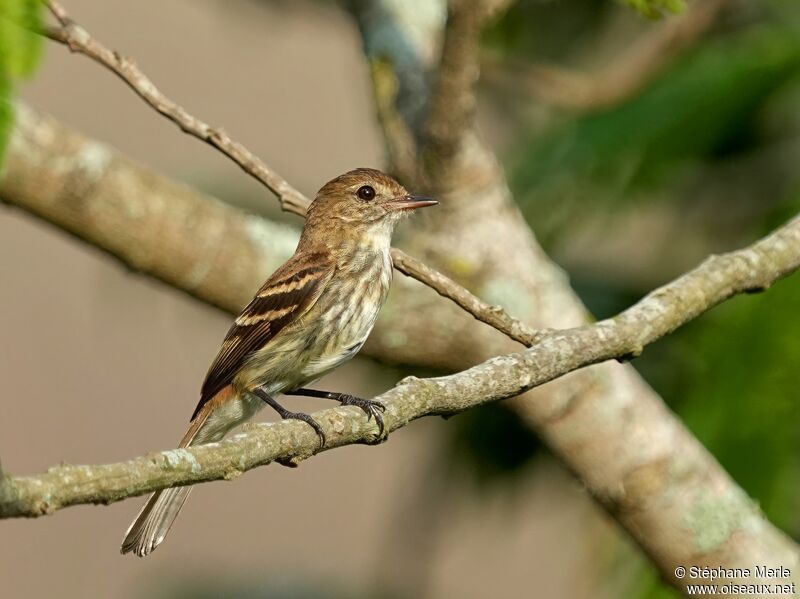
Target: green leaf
(20,49)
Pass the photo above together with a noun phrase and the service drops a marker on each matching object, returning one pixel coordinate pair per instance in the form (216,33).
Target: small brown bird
(314,313)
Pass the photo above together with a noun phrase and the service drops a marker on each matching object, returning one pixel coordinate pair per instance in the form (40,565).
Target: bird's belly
(333,348)
(278,367)
(343,329)
(326,361)
(296,357)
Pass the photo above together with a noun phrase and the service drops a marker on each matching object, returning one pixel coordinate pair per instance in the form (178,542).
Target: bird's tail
(154,520)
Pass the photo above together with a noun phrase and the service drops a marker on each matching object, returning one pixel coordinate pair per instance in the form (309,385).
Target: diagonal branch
(494,316)
(77,39)
(662,311)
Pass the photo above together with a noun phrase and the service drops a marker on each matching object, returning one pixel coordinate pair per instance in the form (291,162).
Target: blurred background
(635,147)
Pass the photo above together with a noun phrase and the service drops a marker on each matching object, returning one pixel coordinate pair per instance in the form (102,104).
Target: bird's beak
(411,202)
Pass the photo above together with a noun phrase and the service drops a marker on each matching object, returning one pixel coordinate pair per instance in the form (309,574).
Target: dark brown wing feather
(286,296)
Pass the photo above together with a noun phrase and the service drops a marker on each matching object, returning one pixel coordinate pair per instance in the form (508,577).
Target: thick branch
(453,104)
(148,222)
(662,311)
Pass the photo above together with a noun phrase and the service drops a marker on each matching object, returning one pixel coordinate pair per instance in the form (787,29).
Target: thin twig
(77,39)
(494,316)
(718,278)
(59,13)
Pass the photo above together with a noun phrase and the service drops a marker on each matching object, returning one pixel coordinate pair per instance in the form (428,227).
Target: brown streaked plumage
(312,314)
(282,298)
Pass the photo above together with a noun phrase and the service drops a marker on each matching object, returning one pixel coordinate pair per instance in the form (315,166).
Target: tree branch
(662,311)
(494,316)
(146,221)
(69,33)
(77,39)
(453,104)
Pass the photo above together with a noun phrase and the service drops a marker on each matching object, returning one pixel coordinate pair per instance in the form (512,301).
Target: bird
(311,315)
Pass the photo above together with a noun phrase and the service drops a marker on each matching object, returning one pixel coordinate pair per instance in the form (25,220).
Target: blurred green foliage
(705,108)
(656,8)
(732,374)
(19,52)
(694,111)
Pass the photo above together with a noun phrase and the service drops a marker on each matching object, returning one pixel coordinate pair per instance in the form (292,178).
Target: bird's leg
(371,408)
(286,414)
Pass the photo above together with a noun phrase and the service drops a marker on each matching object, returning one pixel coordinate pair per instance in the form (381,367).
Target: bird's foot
(373,409)
(287,415)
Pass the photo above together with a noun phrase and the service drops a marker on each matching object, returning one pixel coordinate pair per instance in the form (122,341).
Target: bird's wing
(286,296)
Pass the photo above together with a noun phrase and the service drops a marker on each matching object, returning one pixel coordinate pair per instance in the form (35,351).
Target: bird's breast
(346,311)
(331,332)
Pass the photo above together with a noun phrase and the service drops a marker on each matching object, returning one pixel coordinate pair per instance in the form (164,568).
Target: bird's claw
(372,409)
(309,421)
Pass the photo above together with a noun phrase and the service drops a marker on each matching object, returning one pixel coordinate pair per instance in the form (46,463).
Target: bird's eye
(366,193)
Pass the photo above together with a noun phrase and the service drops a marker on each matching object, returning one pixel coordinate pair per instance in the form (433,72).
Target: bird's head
(364,201)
